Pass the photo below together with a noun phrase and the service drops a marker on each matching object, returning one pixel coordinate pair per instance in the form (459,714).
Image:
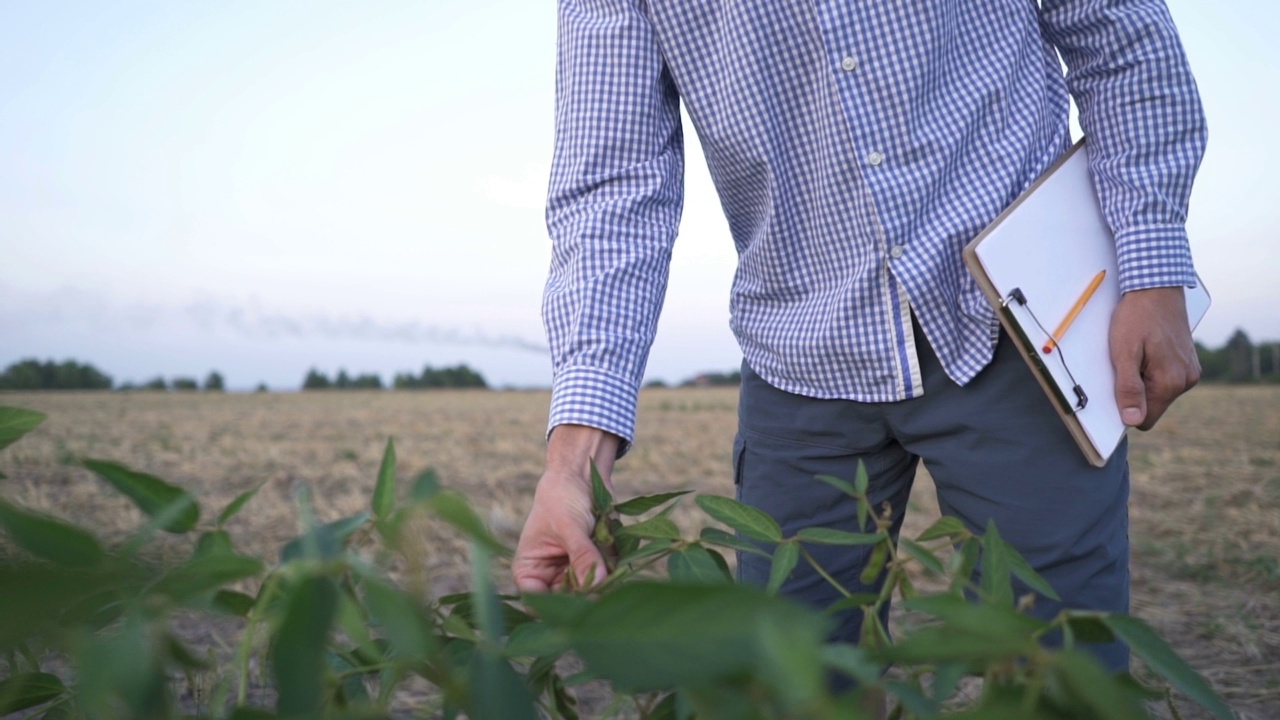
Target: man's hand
(1153,354)
(557,534)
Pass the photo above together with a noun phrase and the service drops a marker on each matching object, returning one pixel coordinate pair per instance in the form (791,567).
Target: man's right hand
(557,533)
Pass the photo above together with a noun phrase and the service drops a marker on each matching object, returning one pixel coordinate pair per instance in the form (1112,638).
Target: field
(1205,505)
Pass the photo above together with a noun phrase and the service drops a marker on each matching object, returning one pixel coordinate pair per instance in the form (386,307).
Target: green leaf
(426,485)
(716,536)
(791,663)
(351,689)
(536,640)
(785,558)
(1021,569)
(50,538)
(213,542)
(16,422)
(651,636)
(875,564)
(297,651)
(204,574)
(695,564)
(963,562)
(835,482)
(874,636)
(330,538)
(384,492)
(649,549)
(1156,653)
(601,499)
(748,521)
(1088,626)
(233,603)
(831,536)
(248,713)
(856,600)
(239,502)
(996,582)
(558,610)
(645,503)
(1094,688)
(947,527)
(656,528)
(150,494)
(922,555)
(853,661)
(996,622)
(453,508)
(403,621)
(497,692)
(860,480)
(488,610)
(27,690)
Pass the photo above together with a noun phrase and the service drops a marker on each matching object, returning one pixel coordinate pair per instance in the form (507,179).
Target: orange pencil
(1075,310)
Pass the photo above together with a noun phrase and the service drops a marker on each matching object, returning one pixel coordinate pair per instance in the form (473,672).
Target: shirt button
(875,158)
(849,63)
(896,251)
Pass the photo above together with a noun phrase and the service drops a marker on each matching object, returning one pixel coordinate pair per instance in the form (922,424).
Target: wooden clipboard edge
(979,273)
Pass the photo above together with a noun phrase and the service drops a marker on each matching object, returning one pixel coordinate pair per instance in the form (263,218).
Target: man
(857,146)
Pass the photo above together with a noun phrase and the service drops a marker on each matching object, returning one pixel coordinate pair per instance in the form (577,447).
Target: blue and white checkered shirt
(856,146)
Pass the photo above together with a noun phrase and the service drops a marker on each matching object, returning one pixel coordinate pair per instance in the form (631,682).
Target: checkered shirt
(856,146)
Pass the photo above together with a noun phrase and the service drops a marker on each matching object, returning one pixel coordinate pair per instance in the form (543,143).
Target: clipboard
(1034,263)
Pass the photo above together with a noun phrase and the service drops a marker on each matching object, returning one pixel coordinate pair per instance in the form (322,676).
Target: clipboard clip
(1018,298)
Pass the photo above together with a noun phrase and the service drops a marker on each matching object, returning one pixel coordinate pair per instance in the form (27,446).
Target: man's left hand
(1153,354)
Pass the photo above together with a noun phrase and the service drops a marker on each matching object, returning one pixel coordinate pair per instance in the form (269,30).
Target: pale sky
(259,186)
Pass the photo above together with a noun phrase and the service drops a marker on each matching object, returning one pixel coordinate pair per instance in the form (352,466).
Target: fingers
(1152,354)
(1131,391)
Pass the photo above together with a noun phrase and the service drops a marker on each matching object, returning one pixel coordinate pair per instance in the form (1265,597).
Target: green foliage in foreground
(90,632)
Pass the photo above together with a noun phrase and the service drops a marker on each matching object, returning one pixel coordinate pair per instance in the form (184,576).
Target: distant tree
(156,383)
(185,384)
(316,380)
(1239,353)
(367,381)
(31,374)
(214,382)
(1214,364)
(656,383)
(459,376)
(343,381)
(262,388)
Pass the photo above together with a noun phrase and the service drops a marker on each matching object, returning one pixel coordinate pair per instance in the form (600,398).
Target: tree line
(458,376)
(1239,360)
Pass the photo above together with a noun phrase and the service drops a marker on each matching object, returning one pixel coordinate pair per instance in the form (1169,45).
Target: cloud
(68,307)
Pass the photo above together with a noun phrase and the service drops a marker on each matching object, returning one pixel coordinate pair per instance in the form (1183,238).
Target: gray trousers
(996,449)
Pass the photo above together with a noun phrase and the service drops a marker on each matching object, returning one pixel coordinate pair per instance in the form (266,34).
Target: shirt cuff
(595,398)
(1154,256)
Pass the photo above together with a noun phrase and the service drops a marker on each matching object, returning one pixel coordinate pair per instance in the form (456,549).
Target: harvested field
(1205,505)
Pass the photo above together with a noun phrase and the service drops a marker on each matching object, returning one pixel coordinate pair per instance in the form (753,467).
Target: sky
(264,186)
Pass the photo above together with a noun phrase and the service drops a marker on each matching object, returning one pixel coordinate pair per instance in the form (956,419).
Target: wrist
(572,448)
